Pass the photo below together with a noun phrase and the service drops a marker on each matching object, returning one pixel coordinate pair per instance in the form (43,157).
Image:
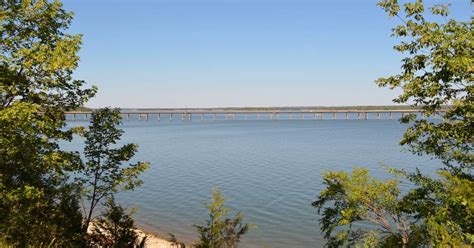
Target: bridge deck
(272,114)
(204,111)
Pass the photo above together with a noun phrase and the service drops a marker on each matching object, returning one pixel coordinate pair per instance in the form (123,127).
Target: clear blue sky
(206,53)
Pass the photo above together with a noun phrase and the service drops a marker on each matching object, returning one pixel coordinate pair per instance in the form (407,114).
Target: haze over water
(269,170)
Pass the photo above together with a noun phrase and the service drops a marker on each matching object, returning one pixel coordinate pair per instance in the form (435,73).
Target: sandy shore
(153,241)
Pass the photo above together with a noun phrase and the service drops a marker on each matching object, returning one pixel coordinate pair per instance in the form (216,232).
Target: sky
(235,53)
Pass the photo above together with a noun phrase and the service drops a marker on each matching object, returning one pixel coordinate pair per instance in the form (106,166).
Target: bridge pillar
(139,116)
(378,116)
(158,116)
(390,115)
(85,117)
(366,116)
(321,116)
(171,116)
(347,116)
(128,116)
(146,116)
(73,117)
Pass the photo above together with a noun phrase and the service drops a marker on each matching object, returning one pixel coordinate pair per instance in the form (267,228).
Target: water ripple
(269,170)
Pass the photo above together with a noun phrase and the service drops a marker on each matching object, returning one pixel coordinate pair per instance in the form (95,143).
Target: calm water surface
(269,170)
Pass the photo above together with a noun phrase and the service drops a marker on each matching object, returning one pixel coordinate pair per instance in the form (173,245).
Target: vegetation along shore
(50,197)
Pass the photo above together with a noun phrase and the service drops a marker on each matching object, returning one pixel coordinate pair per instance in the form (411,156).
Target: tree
(103,173)
(437,72)
(37,56)
(221,231)
(116,228)
(38,200)
(445,207)
(357,197)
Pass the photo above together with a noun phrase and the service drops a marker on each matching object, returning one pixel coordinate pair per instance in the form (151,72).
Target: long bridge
(256,114)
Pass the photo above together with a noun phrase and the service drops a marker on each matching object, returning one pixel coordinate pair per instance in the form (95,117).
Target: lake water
(269,170)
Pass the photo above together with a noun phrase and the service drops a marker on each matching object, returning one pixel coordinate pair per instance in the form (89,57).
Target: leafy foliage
(361,210)
(38,198)
(437,71)
(444,204)
(357,197)
(37,56)
(38,201)
(116,229)
(437,75)
(103,172)
(221,231)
